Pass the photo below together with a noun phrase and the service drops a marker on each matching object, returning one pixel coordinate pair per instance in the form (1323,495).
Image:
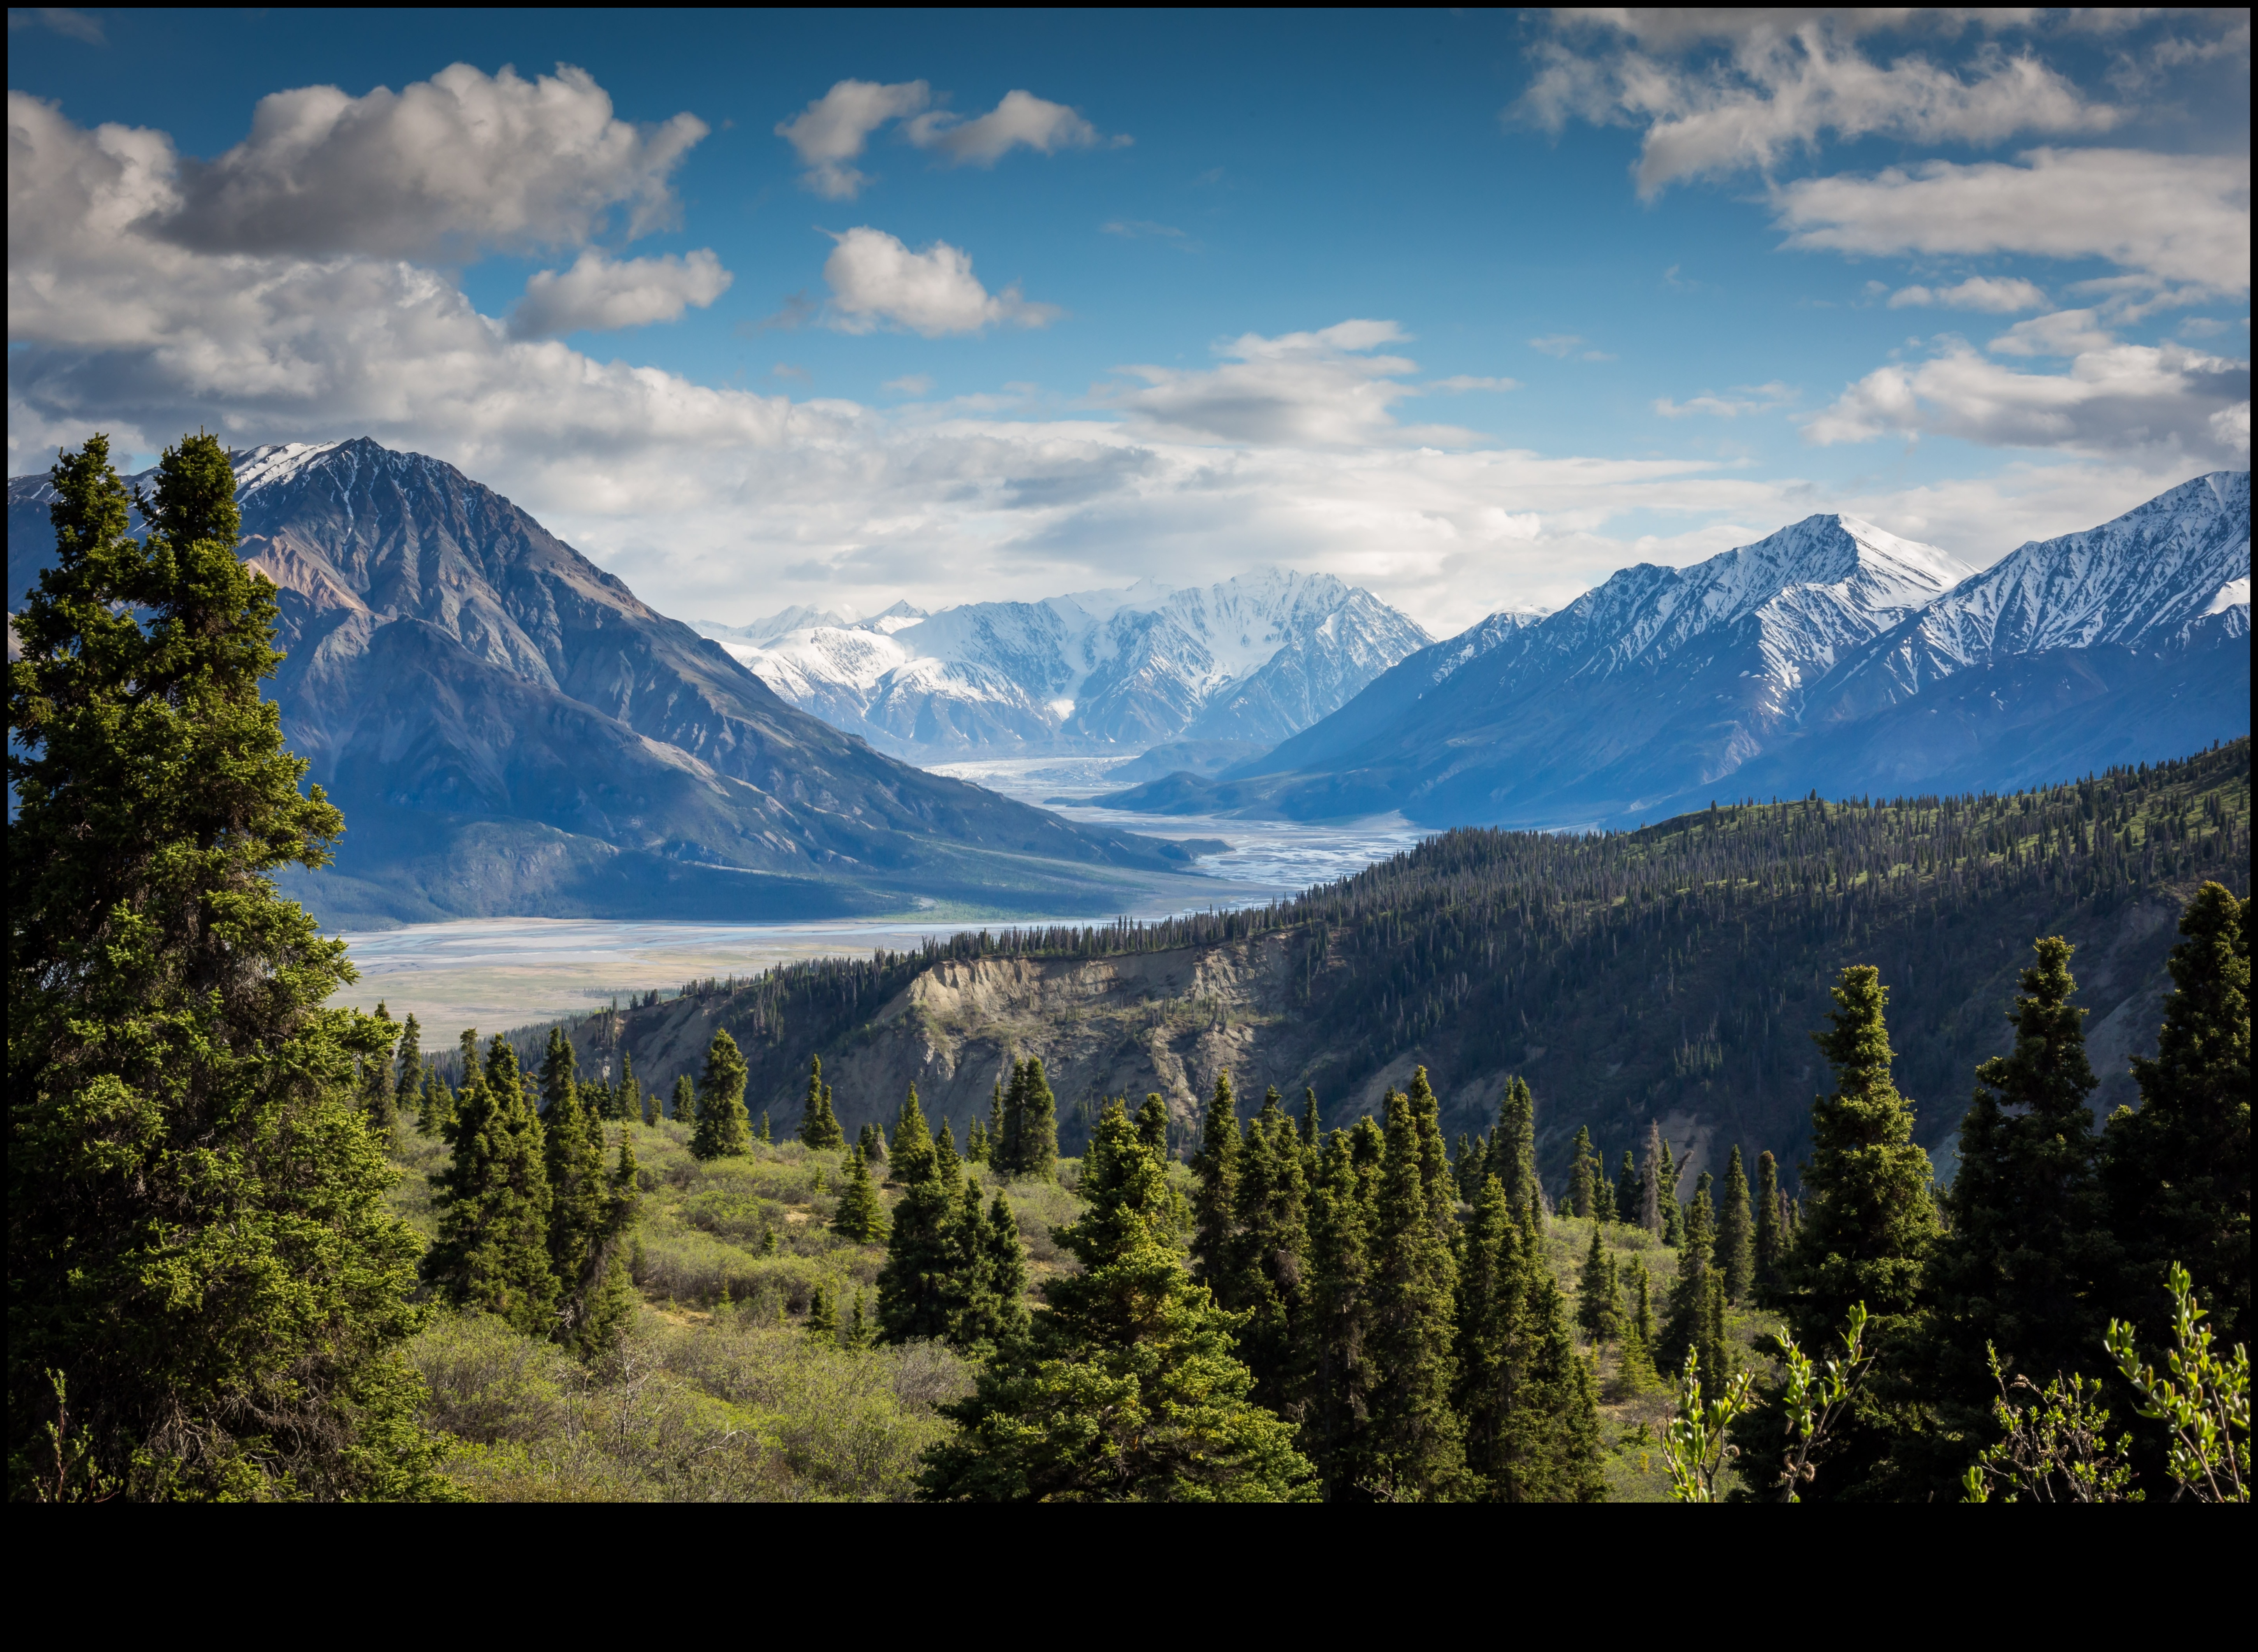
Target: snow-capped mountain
(510,730)
(1253,658)
(1831,654)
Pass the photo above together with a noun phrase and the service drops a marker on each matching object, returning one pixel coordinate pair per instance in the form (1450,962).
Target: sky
(1470,309)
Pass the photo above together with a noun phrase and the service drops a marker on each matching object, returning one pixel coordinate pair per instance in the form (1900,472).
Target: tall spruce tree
(1651,1197)
(1629,1191)
(1673,1214)
(1128,1389)
(1549,1451)
(1434,1156)
(606,1299)
(377,1098)
(435,1102)
(2026,1262)
(1153,1126)
(580,1196)
(1865,1237)
(492,1249)
(1582,1170)
(1035,1151)
(1004,1279)
(1415,1449)
(1599,1305)
(1214,1205)
(1493,1289)
(1736,1233)
(198,1242)
(408,1063)
(723,1130)
(1271,1255)
(1337,1330)
(1603,1194)
(912,1152)
(1771,1239)
(686,1100)
(2177,1172)
(860,1216)
(975,1143)
(1682,1321)
(1515,1144)
(1311,1126)
(923,1287)
(818,1125)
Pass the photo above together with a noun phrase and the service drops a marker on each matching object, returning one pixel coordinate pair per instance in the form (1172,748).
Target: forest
(265,1250)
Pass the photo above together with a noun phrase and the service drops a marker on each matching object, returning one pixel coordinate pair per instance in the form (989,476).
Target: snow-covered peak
(276,463)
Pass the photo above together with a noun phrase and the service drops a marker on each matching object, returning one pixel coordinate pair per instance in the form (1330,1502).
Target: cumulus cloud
(2001,295)
(1021,120)
(1780,82)
(2115,399)
(2064,333)
(1744,399)
(602,294)
(446,167)
(2181,218)
(834,129)
(1323,387)
(910,384)
(877,281)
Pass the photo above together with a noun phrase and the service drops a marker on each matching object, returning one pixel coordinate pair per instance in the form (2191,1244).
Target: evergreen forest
(263,1249)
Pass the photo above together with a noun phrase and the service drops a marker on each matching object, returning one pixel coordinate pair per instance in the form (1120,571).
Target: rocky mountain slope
(509,730)
(1254,658)
(1831,655)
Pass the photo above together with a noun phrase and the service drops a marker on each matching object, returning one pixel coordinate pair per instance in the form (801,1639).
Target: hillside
(1670,972)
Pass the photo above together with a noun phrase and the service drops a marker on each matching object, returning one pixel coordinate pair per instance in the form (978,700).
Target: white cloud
(910,384)
(834,128)
(602,294)
(1323,388)
(1745,399)
(2171,217)
(2114,400)
(447,167)
(62,20)
(1021,120)
(1461,382)
(877,282)
(1557,344)
(2065,333)
(1783,81)
(2000,295)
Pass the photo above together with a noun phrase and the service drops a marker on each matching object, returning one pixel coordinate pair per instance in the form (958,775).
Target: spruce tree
(761,1133)
(1549,1451)
(922,1287)
(1415,1442)
(1336,1331)
(996,1131)
(1582,1171)
(822,1317)
(493,1249)
(198,1241)
(407,1064)
(686,1100)
(913,1150)
(377,1102)
(1651,1200)
(1311,1126)
(630,1104)
(2177,1172)
(580,1196)
(1004,1277)
(975,1143)
(2027,1263)
(607,1297)
(1599,1311)
(1214,1205)
(1493,1288)
(1673,1214)
(818,1125)
(1514,1145)
(860,1216)
(1434,1158)
(1771,1239)
(1128,1389)
(1270,1254)
(1865,1237)
(723,1129)
(867,1139)
(1681,1322)
(1630,1191)
(1153,1126)
(947,1163)
(435,1104)
(1603,1194)
(1036,1152)
(1635,1367)
(1737,1249)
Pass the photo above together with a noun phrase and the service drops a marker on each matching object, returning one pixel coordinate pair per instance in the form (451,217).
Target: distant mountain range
(509,730)
(1253,659)
(1830,656)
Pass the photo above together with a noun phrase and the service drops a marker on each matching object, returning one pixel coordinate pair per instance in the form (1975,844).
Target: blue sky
(1469,308)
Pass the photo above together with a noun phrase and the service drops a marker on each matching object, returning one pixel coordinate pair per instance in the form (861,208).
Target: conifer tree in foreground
(818,1125)
(2027,1261)
(1128,1389)
(1336,1331)
(859,1217)
(1599,1307)
(2177,1172)
(723,1130)
(1582,1172)
(913,1154)
(377,1100)
(580,1196)
(1414,1448)
(1865,1237)
(198,1243)
(1153,1126)
(1029,1144)
(435,1103)
(1673,1214)
(1771,1239)
(1311,1126)
(606,1295)
(493,1250)
(1682,1321)
(1630,1191)
(1270,1248)
(1215,1207)
(1737,1249)
(922,1287)
(1604,1195)
(686,1100)
(407,1064)
(977,1145)
(1514,1145)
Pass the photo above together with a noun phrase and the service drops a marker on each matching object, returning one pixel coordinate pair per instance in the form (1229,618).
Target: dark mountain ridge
(510,729)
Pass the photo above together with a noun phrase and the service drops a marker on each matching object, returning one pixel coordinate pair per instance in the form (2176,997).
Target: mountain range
(1253,659)
(1831,656)
(509,730)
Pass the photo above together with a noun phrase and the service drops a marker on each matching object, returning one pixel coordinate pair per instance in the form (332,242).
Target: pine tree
(1493,1288)
(2027,1263)
(818,1125)
(858,1333)
(1311,1126)
(1599,1306)
(1630,1192)
(435,1104)
(922,1287)
(947,1163)
(686,1100)
(1153,1126)
(1550,1450)
(1771,1239)
(975,1143)
(997,1133)
(1515,1146)
(407,1064)
(1736,1249)
(822,1317)
(859,1217)
(1270,1254)
(1434,1160)
(1582,1172)
(723,1129)
(1673,1214)
(1128,1389)
(377,1100)
(2177,1172)
(912,1152)
(1035,1139)
(493,1249)
(867,1142)
(579,1195)
(762,1134)
(607,1298)
(1865,1239)
(1337,1330)
(1214,1205)
(1417,1453)
(1603,1194)
(1004,1279)
(1473,1167)
(198,1240)
(1681,1322)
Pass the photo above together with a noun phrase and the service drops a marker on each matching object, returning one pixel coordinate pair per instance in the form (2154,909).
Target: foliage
(724,1130)
(2053,1450)
(1695,1445)
(1815,1403)
(2205,1402)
